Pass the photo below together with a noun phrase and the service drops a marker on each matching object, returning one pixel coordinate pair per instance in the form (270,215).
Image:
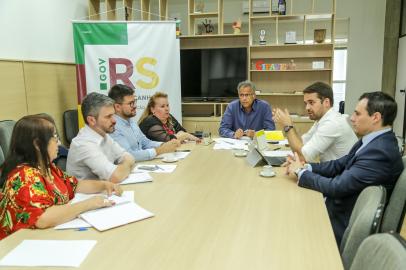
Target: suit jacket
(342,180)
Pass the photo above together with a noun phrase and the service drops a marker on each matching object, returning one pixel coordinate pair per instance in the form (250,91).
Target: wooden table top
(213,212)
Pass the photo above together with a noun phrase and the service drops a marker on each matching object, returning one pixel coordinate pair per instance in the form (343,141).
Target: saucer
(241,154)
(169,160)
(272,174)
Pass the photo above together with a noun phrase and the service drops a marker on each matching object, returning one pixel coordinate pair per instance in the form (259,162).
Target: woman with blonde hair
(158,124)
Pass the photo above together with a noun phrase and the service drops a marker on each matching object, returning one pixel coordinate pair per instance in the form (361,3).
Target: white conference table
(213,212)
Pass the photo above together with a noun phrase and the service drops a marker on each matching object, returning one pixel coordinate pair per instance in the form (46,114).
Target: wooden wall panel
(13,103)
(51,88)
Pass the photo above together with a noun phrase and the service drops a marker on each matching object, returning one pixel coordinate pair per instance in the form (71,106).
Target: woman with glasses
(34,192)
(158,124)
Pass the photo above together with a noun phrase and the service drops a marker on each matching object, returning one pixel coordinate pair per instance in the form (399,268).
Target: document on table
(135,178)
(42,253)
(154,168)
(228,144)
(127,196)
(278,153)
(111,217)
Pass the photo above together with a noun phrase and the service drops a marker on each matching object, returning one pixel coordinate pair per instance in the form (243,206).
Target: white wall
(365,47)
(400,84)
(39,30)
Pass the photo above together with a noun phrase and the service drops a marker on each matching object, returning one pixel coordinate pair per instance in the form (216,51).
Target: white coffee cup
(169,157)
(267,170)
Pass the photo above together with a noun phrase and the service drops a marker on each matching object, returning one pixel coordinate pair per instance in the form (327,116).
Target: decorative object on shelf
(262,40)
(209,28)
(275,7)
(318,64)
(258,64)
(237,26)
(319,35)
(292,65)
(199,7)
(282,7)
(290,37)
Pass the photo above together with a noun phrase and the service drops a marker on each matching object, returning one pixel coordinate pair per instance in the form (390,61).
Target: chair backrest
(70,124)
(381,251)
(364,221)
(341,107)
(395,210)
(6,129)
(1,158)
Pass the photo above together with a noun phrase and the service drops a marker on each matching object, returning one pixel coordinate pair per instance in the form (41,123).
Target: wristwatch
(287,128)
(305,167)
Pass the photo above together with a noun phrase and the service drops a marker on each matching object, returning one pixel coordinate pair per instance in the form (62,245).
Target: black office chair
(341,106)
(70,124)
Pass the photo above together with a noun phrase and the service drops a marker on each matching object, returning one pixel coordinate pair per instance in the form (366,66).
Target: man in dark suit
(373,160)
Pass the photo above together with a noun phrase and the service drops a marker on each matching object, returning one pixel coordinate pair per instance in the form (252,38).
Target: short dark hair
(323,91)
(92,104)
(382,103)
(119,91)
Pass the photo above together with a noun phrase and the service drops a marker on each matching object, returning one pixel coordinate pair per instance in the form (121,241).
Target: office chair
(6,129)
(395,210)
(364,221)
(381,251)
(70,124)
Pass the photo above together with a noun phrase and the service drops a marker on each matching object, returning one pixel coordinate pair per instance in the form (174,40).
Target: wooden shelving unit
(194,15)
(276,67)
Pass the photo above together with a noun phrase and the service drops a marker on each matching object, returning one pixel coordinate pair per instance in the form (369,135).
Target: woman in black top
(158,124)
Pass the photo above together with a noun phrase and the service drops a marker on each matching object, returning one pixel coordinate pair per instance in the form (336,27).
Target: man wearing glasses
(246,115)
(127,132)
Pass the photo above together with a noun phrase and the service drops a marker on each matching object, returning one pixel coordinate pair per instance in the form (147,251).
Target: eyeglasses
(131,104)
(245,95)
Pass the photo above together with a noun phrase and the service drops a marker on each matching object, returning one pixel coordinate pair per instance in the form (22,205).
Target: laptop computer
(255,158)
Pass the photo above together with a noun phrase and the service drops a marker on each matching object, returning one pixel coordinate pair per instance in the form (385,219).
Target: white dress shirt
(92,156)
(329,138)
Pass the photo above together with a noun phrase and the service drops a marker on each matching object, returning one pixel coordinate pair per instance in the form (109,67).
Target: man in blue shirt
(245,116)
(128,134)
(374,160)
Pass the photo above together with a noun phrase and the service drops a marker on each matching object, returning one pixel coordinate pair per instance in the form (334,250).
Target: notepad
(42,253)
(135,178)
(111,217)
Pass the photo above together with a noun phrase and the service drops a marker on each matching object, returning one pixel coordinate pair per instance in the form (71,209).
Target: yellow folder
(274,135)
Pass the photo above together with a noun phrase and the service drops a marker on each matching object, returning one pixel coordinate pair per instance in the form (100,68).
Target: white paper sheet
(155,168)
(229,144)
(70,253)
(127,196)
(73,224)
(135,178)
(278,153)
(107,218)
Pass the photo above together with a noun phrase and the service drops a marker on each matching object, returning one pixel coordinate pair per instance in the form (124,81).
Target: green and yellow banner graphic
(141,55)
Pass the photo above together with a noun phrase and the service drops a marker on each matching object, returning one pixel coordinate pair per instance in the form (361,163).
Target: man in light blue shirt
(127,132)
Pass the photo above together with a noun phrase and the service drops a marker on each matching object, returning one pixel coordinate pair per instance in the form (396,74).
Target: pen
(277,148)
(81,229)
(183,150)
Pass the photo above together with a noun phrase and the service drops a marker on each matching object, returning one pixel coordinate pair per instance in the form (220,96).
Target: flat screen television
(212,74)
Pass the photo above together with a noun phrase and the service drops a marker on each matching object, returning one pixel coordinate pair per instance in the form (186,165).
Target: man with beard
(330,137)
(246,115)
(93,154)
(374,160)
(128,134)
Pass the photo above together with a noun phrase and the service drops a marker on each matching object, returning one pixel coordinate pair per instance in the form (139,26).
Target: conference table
(213,212)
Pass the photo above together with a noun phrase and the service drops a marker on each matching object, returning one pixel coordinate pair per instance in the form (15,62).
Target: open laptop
(255,158)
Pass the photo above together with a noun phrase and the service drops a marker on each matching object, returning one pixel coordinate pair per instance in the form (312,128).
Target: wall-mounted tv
(210,74)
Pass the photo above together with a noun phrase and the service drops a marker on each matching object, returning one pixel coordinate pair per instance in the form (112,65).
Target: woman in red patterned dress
(34,193)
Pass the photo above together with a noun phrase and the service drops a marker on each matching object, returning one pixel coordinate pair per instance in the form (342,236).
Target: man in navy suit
(373,160)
